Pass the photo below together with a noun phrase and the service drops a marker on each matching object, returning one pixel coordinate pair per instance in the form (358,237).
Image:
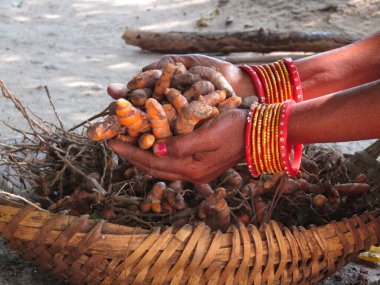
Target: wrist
(245,88)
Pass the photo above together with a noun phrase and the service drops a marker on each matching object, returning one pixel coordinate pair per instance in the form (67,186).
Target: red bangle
(256,82)
(291,168)
(294,79)
(248,141)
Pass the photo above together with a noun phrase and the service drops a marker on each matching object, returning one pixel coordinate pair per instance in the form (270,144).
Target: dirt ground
(75,48)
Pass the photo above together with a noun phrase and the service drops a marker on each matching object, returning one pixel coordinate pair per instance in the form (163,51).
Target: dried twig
(52,105)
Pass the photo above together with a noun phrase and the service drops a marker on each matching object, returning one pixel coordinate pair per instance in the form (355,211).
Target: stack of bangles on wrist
(278,87)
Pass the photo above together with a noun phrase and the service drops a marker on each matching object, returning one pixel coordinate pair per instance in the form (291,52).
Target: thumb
(164,61)
(184,145)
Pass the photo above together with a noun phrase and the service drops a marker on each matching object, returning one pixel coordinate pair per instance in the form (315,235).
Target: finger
(153,65)
(161,174)
(117,90)
(144,158)
(185,145)
(165,60)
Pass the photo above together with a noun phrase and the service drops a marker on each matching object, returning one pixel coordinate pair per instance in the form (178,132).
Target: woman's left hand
(198,157)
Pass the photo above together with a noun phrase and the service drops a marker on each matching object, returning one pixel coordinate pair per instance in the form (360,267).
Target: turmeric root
(215,211)
(158,119)
(180,68)
(190,115)
(288,187)
(245,219)
(138,97)
(157,191)
(169,197)
(156,206)
(271,183)
(131,117)
(171,114)
(213,98)
(202,87)
(231,181)
(176,98)
(164,81)
(352,189)
(332,194)
(179,202)
(133,133)
(252,189)
(308,187)
(216,78)
(104,130)
(146,205)
(205,190)
(146,141)
(229,104)
(185,79)
(146,79)
(319,201)
(309,165)
(127,139)
(214,113)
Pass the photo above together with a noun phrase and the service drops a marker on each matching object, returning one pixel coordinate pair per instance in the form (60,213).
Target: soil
(75,48)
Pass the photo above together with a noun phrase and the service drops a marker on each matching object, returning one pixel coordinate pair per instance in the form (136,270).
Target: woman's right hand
(239,79)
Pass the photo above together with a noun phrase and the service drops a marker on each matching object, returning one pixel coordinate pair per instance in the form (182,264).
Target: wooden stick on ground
(253,40)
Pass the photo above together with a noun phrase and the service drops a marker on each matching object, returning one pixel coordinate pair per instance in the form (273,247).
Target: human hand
(239,80)
(198,157)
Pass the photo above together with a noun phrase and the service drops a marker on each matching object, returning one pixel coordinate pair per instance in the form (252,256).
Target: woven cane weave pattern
(95,252)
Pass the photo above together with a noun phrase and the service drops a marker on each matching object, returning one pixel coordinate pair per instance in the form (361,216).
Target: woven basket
(85,251)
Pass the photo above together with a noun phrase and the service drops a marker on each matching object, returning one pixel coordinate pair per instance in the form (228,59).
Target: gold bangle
(277,123)
(274,83)
(283,81)
(258,138)
(273,140)
(264,139)
(254,126)
(288,84)
(279,83)
(270,95)
(268,138)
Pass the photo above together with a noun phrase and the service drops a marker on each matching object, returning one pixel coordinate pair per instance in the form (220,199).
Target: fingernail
(160,149)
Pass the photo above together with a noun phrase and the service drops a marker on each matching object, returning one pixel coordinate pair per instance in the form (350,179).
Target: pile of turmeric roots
(321,192)
(160,103)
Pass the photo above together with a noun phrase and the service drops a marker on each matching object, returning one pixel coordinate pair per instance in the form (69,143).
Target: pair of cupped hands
(208,151)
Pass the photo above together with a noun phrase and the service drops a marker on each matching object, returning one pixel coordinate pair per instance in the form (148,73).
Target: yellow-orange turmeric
(146,79)
(190,115)
(158,119)
(131,117)
(202,87)
(164,81)
(104,130)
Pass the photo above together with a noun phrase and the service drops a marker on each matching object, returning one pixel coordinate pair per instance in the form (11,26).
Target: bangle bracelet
(268,70)
(265,81)
(282,96)
(287,78)
(256,82)
(291,168)
(294,79)
(248,141)
(258,130)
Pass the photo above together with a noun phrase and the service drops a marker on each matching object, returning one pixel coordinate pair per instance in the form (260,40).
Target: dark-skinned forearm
(348,115)
(341,68)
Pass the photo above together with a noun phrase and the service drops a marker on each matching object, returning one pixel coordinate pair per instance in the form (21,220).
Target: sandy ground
(75,48)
